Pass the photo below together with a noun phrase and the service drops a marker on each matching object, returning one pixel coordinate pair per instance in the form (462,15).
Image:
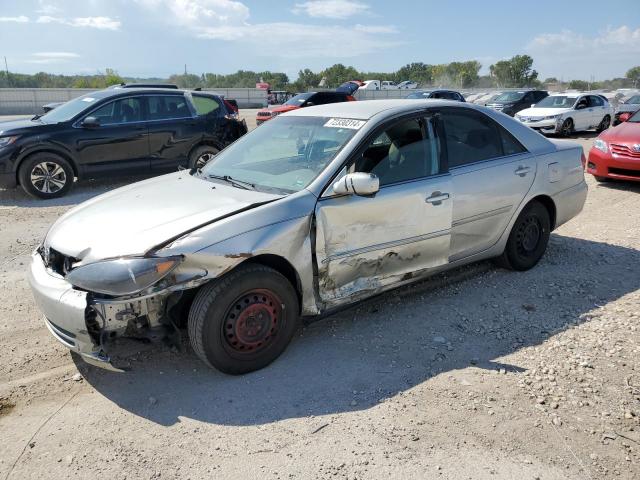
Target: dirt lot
(481,373)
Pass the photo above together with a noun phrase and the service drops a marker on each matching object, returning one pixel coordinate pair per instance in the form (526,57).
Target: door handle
(437,198)
(522,171)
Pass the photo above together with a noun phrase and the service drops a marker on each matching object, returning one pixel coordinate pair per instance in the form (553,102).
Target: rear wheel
(202,155)
(604,124)
(528,238)
(46,175)
(244,321)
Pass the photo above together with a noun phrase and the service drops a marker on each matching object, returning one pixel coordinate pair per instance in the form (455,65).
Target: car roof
(122,92)
(367,109)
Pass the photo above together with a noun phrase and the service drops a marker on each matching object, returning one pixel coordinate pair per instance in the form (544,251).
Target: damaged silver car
(315,210)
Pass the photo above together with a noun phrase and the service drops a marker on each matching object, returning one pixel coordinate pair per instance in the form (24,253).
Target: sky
(568,40)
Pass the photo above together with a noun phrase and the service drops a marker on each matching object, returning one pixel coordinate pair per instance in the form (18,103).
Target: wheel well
(548,203)
(282,266)
(45,150)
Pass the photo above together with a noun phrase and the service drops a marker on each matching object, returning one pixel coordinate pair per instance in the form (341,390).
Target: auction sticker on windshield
(345,123)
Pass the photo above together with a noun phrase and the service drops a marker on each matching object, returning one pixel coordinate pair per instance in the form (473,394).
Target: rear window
(205,105)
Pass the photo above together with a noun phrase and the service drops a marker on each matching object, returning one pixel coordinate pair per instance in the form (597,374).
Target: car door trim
(482,216)
(382,246)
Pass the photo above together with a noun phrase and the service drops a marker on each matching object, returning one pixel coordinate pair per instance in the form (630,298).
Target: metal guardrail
(29,101)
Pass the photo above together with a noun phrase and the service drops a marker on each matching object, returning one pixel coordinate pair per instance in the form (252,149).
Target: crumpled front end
(86,324)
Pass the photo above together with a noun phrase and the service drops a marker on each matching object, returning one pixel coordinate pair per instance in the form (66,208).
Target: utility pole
(6,68)
(185,69)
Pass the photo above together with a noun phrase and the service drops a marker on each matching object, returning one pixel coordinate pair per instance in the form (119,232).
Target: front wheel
(567,128)
(201,156)
(46,175)
(244,321)
(528,238)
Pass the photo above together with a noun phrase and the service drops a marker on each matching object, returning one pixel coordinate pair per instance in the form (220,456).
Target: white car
(567,113)
(407,85)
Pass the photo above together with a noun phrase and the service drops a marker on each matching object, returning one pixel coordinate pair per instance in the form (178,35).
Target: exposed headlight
(122,276)
(518,116)
(553,117)
(601,145)
(4,141)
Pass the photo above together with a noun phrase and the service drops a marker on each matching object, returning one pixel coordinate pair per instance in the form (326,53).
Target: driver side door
(365,244)
(120,144)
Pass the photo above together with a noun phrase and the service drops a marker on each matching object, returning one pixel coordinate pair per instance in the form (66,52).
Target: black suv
(114,132)
(514,101)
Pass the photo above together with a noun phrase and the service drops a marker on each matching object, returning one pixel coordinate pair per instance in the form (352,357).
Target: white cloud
(56,54)
(339,9)
(574,55)
(230,21)
(101,23)
(20,19)
(376,28)
(45,58)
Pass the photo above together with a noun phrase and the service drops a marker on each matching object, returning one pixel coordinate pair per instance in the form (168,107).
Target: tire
(566,130)
(604,124)
(244,321)
(46,175)
(201,155)
(528,238)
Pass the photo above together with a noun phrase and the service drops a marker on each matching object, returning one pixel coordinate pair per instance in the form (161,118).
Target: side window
(125,110)
(164,107)
(320,99)
(473,137)
(529,98)
(206,105)
(582,103)
(595,101)
(407,150)
(540,96)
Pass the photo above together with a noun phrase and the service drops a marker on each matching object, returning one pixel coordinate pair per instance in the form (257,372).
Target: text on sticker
(345,123)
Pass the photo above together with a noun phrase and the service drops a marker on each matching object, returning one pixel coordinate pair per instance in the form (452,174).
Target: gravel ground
(480,373)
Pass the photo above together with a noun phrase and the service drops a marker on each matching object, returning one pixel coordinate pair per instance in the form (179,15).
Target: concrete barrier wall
(29,101)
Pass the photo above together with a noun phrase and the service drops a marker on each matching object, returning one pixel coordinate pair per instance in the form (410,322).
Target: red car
(616,152)
(302,100)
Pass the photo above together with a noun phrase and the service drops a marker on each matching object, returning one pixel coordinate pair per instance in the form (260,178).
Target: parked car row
(119,131)
(303,100)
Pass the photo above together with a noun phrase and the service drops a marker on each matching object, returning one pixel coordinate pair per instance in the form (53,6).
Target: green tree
(578,85)
(633,74)
(338,73)
(515,72)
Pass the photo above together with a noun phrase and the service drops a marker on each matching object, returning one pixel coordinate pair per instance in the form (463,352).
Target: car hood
(625,107)
(627,133)
(134,219)
(542,112)
(18,126)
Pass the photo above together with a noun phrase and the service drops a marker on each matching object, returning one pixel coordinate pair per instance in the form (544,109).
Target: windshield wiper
(233,181)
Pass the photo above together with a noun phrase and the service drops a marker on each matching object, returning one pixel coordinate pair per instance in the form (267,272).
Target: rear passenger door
(597,108)
(172,130)
(491,172)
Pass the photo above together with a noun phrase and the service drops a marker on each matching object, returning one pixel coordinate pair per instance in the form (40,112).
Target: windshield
(635,118)
(285,154)
(67,111)
(633,100)
(556,101)
(508,97)
(298,99)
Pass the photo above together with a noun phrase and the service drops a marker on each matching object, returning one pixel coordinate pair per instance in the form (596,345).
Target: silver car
(315,210)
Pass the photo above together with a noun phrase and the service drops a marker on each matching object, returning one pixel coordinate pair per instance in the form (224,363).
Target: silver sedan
(315,210)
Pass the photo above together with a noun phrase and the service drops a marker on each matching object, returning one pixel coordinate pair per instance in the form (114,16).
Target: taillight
(350,98)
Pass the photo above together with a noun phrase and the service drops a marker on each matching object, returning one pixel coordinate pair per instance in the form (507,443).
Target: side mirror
(309,104)
(533,105)
(358,183)
(90,122)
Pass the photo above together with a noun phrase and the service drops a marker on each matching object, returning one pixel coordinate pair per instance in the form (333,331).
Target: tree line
(515,72)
